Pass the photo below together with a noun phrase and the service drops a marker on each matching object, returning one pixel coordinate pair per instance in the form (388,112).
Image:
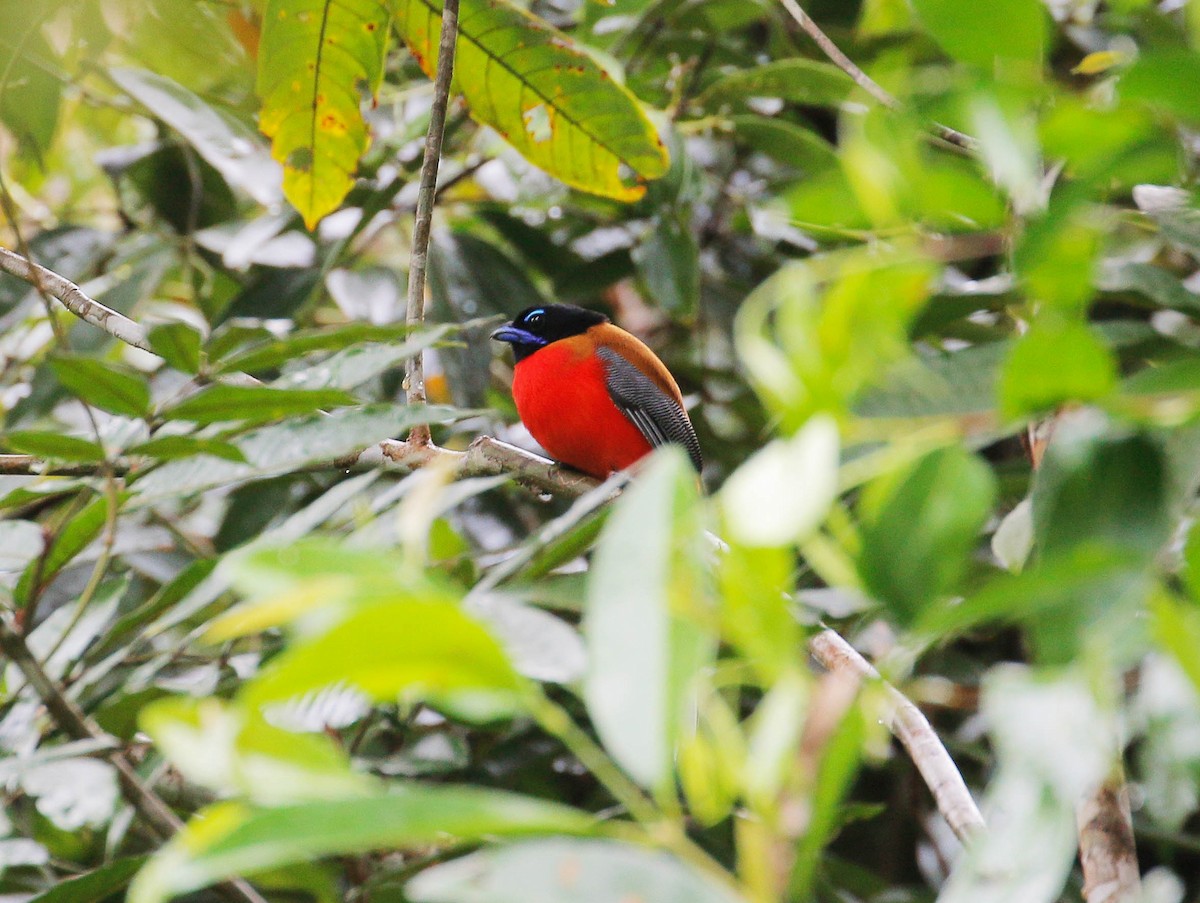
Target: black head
(536,327)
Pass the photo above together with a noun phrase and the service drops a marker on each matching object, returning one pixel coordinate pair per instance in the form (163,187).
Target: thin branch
(426,195)
(864,81)
(1107,851)
(77,725)
(115,324)
(488,457)
(911,728)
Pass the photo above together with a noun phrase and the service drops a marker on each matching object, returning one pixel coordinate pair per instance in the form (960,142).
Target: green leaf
(1165,79)
(178,344)
(985,32)
(549,99)
(255,404)
(272,352)
(801,81)
(290,445)
(74,537)
(351,367)
(406,649)
(94,886)
(645,604)
(232,148)
(1096,488)
(1155,283)
(919,527)
(53,445)
(318,61)
(169,448)
(668,260)
(119,390)
(1057,361)
(785,142)
(230,839)
(32,91)
(563,870)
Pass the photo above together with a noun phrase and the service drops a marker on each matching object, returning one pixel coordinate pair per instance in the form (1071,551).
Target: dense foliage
(939,338)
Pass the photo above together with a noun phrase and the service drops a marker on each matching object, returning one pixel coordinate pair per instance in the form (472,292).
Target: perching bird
(594,396)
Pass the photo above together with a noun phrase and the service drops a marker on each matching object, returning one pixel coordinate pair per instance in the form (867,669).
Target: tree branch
(426,195)
(1107,851)
(77,725)
(115,324)
(864,81)
(911,728)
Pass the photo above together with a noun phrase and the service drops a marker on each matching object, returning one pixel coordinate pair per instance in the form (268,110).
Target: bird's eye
(534,317)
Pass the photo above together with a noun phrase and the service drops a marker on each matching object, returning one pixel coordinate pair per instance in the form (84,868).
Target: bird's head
(536,327)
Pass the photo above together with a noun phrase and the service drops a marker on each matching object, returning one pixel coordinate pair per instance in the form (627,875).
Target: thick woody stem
(426,195)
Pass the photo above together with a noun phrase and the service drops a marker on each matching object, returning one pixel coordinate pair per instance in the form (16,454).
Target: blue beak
(515,336)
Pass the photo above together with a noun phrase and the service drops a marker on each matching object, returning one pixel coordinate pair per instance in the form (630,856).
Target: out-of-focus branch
(77,725)
(115,324)
(1107,851)
(426,196)
(911,728)
(864,81)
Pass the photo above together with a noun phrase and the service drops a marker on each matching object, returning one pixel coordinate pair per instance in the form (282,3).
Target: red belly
(565,405)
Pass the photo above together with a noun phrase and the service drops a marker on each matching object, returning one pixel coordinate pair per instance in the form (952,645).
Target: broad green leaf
(232,839)
(781,493)
(919,527)
(94,886)
(53,445)
(290,445)
(1097,488)
(983,33)
(564,870)
(646,601)
(801,81)
(178,344)
(351,367)
(232,148)
(32,91)
(668,260)
(72,539)
(255,404)
(549,99)
(1176,625)
(1057,361)
(115,389)
(318,61)
(1165,79)
(168,448)
(258,350)
(400,649)
(785,142)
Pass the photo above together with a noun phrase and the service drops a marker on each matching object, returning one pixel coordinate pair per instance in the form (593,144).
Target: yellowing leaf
(545,96)
(318,61)
(1100,61)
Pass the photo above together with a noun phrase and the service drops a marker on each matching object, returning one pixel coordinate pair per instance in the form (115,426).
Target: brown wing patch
(606,335)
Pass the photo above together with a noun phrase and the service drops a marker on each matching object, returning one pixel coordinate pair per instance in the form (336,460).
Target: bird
(591,394)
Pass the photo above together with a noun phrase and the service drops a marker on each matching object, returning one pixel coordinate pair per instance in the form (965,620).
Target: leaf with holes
(317,62)
(550,100)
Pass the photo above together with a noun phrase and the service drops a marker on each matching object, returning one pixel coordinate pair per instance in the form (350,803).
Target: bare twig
(115,324)
(911,728)
(426,195)
(864,81)
(1107,851)
(77,725)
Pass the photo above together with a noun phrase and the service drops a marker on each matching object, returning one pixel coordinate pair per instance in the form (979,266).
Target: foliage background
(879,334)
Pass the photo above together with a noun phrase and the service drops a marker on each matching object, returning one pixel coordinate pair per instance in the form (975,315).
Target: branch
(77,725)
(488,457)
(115,324)
(426,195)
(911,728)
(1107,851)
(864,81)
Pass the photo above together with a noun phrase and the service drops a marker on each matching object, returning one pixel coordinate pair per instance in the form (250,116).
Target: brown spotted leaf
(548,98)
(319,60)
